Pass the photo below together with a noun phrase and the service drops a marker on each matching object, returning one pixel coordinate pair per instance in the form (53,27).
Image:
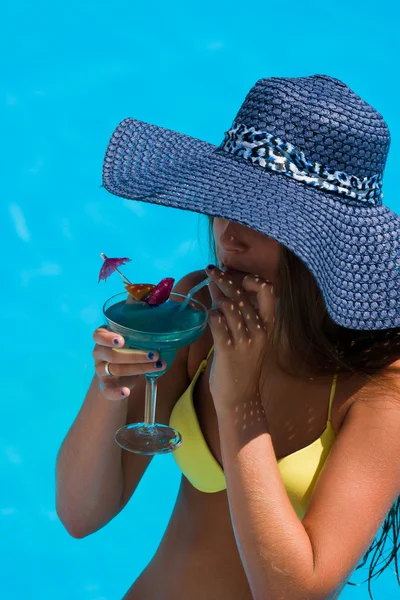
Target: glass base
(155,439)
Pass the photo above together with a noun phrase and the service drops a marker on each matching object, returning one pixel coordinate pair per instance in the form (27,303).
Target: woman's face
(243,249)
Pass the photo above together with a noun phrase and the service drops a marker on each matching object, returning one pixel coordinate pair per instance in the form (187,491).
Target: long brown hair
(319,348)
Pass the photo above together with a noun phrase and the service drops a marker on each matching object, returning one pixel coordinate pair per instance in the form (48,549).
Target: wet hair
(320,348)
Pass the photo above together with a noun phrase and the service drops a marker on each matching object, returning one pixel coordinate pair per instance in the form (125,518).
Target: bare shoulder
(362,473)
(381,391)
(394,369)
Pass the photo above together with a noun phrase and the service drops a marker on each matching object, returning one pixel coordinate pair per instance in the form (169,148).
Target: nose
(230,240)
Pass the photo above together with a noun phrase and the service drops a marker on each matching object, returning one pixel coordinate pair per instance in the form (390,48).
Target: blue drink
(163,329)
(158,328)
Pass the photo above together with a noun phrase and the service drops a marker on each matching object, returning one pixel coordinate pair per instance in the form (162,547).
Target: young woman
(289,403)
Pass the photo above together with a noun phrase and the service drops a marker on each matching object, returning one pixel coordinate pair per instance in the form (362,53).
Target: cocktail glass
(163,329)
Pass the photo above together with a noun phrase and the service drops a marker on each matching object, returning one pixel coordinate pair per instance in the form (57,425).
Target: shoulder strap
(210,352)
(333,390)
(203,364)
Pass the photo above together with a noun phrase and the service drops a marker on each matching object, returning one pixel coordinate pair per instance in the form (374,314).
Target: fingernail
(159,364)
(116,341)
(150,355)
(210,267)
(122,393)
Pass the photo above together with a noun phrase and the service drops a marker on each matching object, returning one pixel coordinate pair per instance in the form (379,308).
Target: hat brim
(153,164)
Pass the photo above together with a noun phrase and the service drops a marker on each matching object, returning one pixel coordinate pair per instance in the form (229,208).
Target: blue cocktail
(162,328)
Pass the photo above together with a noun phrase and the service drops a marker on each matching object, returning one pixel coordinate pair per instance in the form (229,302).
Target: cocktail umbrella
(110,265)
(147,292)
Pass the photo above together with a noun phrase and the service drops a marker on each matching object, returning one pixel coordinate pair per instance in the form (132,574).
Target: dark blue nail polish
(122,393)
(159,364)
(150,355)
(210,267)
(116,341)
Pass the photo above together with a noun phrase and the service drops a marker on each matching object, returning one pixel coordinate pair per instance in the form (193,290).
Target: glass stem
(150,400)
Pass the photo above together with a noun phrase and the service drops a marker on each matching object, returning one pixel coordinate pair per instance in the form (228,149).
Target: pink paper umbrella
(110,265)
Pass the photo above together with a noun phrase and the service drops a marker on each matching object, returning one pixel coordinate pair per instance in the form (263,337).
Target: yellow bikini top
(299,471)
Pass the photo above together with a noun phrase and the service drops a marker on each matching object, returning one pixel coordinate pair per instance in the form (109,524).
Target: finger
(215,292)
(246,317)
(120,370)
(115,388)
(108,338)
(265,297)
(234,319)
(219,329)
(123,355)
(229,282)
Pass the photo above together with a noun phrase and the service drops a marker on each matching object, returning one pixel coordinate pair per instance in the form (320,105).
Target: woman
(303,338)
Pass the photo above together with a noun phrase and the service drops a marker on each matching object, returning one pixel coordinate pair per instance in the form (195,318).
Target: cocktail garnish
(161,292)
(153,295)
(139,291)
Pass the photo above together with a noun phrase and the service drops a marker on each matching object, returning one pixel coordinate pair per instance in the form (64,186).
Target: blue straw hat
(302,163)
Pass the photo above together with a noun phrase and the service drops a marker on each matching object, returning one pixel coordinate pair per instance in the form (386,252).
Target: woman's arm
(89,477)
(285,558)
(275,549)
(95,479)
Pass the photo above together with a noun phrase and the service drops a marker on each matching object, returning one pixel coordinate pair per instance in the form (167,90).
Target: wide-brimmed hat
(302,163)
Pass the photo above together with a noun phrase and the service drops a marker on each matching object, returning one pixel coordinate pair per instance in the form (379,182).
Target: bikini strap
(203,364)
(333,390)
(210,352)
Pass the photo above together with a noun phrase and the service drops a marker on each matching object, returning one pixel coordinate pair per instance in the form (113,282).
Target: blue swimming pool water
(70,73)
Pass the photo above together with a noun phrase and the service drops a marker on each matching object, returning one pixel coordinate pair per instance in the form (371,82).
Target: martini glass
(164,329)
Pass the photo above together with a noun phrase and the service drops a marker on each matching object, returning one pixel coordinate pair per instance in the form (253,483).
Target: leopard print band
(273,153)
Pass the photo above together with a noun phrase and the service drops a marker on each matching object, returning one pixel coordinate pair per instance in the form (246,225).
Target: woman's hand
(241,336)
(125,364)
